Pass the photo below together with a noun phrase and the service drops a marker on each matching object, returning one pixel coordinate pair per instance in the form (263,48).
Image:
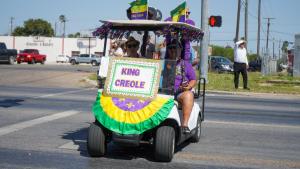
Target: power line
(250,13)
(284,33)
(265,6)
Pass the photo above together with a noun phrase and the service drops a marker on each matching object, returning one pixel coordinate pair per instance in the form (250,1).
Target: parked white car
(62,59)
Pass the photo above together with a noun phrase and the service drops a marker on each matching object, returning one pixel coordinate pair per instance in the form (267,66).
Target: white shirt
(240,55)
(118,52)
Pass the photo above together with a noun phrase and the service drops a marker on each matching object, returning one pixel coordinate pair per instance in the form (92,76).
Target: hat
(240,42)
(131,39)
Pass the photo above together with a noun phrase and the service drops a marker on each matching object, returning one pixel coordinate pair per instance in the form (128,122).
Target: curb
(278,95)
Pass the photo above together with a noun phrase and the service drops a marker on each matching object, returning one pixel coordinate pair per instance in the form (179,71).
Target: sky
(83,15)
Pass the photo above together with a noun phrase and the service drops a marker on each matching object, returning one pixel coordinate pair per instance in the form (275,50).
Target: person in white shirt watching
(240,64)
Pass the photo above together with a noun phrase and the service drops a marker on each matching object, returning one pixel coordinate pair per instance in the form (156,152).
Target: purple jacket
(189,73)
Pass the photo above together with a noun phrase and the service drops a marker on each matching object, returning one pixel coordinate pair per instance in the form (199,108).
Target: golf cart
(136,104)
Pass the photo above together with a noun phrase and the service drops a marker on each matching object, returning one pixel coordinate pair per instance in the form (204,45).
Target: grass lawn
(93,76)
(280,83)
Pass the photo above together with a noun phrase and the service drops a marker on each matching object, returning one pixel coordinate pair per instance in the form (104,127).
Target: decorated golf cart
(137,103)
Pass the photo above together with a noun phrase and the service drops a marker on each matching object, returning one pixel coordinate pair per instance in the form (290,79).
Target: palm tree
(63,20)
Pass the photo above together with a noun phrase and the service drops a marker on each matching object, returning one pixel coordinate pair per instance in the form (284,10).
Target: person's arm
(191,75)
(118,52)
(191,85)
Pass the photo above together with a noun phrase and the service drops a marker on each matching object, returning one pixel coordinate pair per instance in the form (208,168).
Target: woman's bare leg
(187,101)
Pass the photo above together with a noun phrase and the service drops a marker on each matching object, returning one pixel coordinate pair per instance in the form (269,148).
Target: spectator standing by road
(240,64)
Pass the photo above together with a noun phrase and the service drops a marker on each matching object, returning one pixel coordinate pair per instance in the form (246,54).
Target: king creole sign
(132,78)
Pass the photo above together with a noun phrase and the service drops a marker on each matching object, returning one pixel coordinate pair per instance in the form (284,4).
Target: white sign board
(132,78)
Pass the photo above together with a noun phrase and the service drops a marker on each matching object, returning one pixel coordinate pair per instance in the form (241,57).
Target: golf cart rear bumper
(126,140)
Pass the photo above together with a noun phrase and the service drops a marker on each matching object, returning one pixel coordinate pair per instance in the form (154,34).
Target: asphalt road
(45,114)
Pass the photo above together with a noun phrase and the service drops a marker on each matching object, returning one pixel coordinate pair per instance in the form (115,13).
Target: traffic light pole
(246,22)
(237,30)
(204,42)
(258,29)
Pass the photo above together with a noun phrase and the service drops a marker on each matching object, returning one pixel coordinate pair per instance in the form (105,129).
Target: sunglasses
(131,46)
(188,13)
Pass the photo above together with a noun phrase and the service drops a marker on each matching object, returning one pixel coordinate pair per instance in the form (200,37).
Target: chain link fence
(296,66)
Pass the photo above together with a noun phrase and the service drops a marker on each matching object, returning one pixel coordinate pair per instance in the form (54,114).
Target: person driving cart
(185,80)
(132,47)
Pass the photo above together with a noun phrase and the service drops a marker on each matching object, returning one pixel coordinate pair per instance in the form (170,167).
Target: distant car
(31,56)
(7,55)
(62,58)
(85,58)
(254,66)
(220,64)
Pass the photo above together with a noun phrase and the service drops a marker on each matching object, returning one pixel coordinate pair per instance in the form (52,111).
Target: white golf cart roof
(119,28)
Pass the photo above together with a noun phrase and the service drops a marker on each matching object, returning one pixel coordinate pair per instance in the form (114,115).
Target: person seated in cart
(185,80)
(132,47)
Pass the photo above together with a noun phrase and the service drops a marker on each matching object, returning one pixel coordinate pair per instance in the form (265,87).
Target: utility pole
(204,42)
(246,21)
(268,31)
(238,22)
(273,48)
(11,25)
(64,34)
(279,53)
(258,29)
(55,27)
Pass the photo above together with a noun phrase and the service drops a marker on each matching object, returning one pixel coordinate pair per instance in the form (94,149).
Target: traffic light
(215,21)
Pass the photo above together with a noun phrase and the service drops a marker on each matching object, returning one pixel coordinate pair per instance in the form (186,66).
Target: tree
(75,35)
(252,57)
(34,27)
(221,51)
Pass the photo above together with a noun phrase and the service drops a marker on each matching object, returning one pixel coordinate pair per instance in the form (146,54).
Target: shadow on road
(78,137)
(10,102)
(145,151)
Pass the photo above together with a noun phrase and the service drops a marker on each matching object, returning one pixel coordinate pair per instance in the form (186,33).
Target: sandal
(185,129)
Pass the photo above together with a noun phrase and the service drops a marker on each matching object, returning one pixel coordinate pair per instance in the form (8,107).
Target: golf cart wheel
(96,144)
(196,137)
(43,62)
(164,143)
(11,60)
(73,62)
(94,63)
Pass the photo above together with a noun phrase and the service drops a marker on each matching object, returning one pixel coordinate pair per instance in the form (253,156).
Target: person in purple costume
(185,80)
(186,42)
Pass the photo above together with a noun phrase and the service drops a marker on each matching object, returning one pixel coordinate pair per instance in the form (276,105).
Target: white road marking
(61,93)
(248,124)
(22,125)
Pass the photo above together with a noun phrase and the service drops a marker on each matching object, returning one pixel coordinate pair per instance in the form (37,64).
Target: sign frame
(134,62)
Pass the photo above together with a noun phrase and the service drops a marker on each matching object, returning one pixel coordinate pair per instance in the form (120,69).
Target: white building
(53,46)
